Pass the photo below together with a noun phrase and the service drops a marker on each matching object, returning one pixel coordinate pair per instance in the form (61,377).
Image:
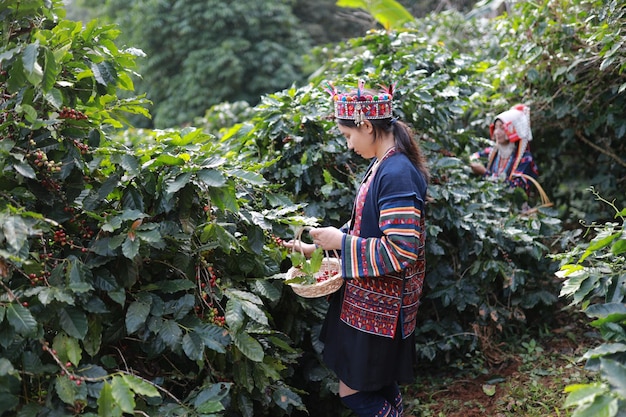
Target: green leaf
(25,170)
(130,247)
(170,287)
(211,177)
(619,247)
(118,295)
(389,13)
(93,339)
(122,394)
(16,232)
(615,373)
(249,346)
(29,57)
(604,350)
(74,322)
(602,406)
(65,389)
(151,236)
(285,397)
(55,98)
(214,337)
(179,182)
(136,316)
(234,314)
(79,275)
(489,390)
(209,399)
(50,73)
(193,346)
(266,289)
(607,311)
(106,404)
(30,114)
(224,198)
(583,393)
(104,73)
(248,176)
(255,313)
(67,348)
(171,334)
(140,386)
(598,244)
(21,319)
(316,260)
(6,368)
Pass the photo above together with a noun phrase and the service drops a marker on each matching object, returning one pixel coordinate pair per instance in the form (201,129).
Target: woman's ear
(369,127)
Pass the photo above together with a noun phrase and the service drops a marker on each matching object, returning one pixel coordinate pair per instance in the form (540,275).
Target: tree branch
(601,150)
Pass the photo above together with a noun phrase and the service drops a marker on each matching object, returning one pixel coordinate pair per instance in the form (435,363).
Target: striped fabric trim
(393,252)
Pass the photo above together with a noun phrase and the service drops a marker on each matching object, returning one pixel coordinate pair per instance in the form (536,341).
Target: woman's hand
(478,168)
(298,246)
(327,238)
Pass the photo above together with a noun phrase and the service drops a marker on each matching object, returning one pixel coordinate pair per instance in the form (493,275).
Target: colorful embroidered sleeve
(484,153)
(400,220)
(526,166)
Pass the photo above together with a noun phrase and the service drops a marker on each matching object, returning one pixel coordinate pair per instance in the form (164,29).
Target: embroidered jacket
(383,251)
(526,166)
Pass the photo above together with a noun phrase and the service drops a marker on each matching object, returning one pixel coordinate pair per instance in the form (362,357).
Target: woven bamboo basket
(330,272)
(545,200)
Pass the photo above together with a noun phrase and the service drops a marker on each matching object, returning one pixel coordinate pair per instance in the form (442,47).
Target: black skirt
(364,361)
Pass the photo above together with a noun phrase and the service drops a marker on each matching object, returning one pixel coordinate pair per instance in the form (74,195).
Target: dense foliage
(141,270)
(200,53)
(568,62)
(479,275)
(127,267)
(594,273)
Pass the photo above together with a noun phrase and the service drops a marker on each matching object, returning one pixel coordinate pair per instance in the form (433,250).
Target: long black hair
(404,139)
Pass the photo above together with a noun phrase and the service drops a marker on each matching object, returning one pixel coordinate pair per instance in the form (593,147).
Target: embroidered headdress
(516,125)
(361,104)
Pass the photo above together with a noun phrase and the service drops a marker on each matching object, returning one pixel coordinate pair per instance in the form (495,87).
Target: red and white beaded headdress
(360,104)
(516,125)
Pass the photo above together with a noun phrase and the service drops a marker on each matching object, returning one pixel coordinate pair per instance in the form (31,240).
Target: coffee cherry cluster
(39,279)
(212,276)
(67,113)
(60,237)
(51,184)
(212,315)
(40,160)
(82,147)
(215,318)
(325,275)
(277,240)
(207,279)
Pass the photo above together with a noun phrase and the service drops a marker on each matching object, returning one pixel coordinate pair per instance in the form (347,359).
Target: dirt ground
(482,397)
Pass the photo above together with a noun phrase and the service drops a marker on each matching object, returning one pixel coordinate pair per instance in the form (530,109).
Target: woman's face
(360,139)
(499,135)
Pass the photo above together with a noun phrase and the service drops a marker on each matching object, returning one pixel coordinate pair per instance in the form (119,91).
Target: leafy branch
(308,267)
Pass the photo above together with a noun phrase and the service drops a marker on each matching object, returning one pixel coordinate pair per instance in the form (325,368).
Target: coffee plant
(593,274)
(141,271)
(130,263)
(487,269)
